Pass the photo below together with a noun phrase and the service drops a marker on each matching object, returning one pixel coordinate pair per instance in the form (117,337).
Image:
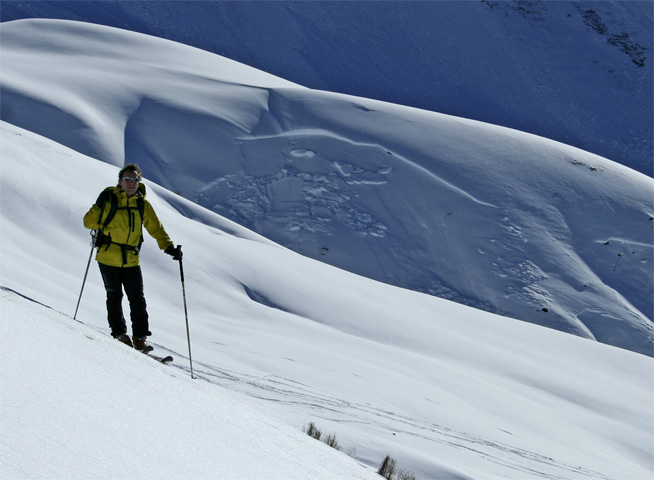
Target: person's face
(129,182)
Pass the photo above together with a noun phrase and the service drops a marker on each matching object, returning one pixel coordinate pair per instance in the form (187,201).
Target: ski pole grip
(181,268)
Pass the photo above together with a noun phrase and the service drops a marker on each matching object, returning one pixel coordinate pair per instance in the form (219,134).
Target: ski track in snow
(273,388)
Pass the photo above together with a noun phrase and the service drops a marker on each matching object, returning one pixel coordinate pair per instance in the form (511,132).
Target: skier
(118,216)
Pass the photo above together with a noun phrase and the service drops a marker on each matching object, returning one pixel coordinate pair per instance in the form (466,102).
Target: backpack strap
(140,202)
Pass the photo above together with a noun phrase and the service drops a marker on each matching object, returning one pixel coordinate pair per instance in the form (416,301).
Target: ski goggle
(131,179)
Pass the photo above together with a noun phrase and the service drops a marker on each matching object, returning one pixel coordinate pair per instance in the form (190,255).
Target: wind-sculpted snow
(576,72)
(485,216)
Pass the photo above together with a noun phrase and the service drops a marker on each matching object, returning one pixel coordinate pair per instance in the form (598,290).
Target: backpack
(108,195)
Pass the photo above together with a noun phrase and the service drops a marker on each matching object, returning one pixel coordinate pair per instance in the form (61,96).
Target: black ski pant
(131,279)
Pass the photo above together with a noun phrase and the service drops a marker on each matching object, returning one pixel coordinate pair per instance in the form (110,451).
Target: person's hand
(175,252)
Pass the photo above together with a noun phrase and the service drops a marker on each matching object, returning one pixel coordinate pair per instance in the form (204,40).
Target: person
(118,217)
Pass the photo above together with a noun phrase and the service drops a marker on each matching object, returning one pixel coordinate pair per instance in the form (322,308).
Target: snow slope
(77,406)
(579,72)
(489,217)
(447,390)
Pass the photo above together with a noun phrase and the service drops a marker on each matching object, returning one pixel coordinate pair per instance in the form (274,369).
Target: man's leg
(133,281)
(111,276)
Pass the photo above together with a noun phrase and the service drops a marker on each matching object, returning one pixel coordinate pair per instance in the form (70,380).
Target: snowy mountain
(489,217)
(450,391)
(579,72)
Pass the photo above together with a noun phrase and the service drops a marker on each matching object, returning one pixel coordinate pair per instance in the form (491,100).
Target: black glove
(175,252)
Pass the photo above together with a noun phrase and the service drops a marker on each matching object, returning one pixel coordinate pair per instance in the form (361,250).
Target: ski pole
(188,335)
(88,264)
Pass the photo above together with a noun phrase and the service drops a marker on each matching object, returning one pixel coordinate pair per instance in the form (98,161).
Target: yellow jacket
(125,229)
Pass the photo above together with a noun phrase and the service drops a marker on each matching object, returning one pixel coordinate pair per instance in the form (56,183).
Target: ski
(167,359)
(148,351)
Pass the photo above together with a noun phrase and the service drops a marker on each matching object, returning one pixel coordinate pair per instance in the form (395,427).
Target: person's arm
(155,228)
